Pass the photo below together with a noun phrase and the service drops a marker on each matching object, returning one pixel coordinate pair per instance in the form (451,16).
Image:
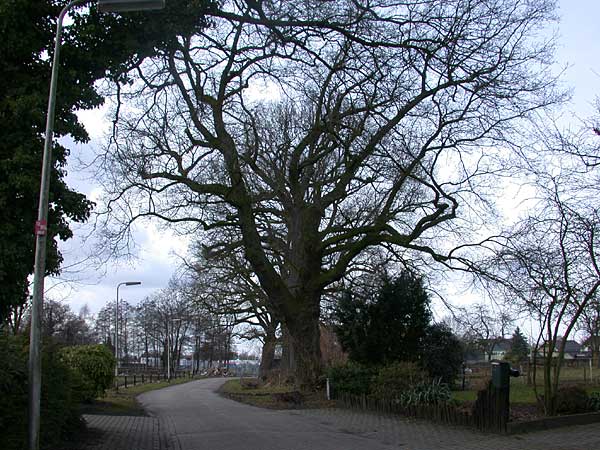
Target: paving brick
(414,434)
(122,433)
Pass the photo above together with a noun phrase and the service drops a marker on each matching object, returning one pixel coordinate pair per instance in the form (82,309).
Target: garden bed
(273,396)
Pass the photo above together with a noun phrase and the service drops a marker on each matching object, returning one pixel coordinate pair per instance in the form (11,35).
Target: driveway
(193,417)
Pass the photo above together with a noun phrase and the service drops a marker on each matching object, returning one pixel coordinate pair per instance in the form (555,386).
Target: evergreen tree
(442,353)
(519,349)
(389,327)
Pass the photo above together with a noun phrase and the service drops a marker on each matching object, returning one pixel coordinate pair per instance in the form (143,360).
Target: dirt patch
(275,397)
(521,412)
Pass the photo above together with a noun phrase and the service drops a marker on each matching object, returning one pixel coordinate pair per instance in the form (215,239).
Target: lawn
(265,396)
(519,393)
(123,402)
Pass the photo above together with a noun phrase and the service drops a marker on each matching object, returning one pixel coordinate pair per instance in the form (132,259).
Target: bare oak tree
(312,131)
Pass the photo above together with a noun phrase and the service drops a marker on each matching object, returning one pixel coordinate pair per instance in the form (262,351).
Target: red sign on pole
(41,227)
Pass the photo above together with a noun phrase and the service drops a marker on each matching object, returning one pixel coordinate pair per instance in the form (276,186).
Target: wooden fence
(126,381)
(489,413)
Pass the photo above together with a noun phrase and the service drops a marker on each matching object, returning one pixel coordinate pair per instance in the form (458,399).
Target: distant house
(573,349)
(487,350)
(151,359)
(589,344)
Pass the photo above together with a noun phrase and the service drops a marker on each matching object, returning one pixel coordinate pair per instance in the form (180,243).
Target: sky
(159,252)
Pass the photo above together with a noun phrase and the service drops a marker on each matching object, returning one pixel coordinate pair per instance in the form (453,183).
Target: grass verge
(123,402)
(519,393)
(266,396)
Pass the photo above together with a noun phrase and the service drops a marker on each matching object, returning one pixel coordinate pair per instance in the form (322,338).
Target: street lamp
(129,5)
(124,283)
(41,225)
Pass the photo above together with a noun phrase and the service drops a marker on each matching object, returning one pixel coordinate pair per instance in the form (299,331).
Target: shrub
(351,378)
(572,400)
(59,412)
(13,393)
(93,367)
(442,354)
(426,393)
(595,401)
(394,380)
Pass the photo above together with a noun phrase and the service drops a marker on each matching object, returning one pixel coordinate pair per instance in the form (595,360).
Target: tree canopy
(308,132)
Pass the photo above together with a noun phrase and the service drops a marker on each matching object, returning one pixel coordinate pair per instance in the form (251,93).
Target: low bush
(595,401)
(351,378)
(13,393)
(93,367)
(59,411)
(396,379)
(572,400)
(426,393)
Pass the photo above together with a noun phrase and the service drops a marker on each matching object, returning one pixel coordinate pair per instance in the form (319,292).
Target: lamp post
(124,283)
(41,225)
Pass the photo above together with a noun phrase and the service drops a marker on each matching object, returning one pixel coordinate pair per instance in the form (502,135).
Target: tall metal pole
(168,353)
(41,227)
(117,333)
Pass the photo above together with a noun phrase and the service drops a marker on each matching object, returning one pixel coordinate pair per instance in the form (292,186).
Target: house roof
(571,346)
(503,345)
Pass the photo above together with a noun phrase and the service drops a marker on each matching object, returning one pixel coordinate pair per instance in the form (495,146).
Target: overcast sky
(578,51)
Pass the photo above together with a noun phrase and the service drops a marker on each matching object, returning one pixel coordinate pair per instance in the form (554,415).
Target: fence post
(134,380)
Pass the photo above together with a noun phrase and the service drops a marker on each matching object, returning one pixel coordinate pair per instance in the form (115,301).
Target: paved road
(193,417)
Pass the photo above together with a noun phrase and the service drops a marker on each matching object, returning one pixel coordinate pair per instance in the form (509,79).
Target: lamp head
(129,5)
(132,283)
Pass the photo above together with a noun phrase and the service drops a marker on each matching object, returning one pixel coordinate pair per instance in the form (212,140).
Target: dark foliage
(519,349)
(572,400)
(389,327)
(442,354)
(396,379)
(93,370)
(59,411)
(595,401)
(351,378)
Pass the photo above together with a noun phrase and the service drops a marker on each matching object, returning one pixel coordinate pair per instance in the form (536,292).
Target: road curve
(193,416)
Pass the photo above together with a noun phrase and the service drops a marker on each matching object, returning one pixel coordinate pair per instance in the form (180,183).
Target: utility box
(501,373)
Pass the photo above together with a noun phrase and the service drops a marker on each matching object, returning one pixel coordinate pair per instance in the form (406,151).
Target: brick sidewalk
(414,434)
(123,433)
(152,433)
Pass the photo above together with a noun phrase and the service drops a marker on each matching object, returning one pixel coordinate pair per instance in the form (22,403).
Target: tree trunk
(303,329)
(268,355)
